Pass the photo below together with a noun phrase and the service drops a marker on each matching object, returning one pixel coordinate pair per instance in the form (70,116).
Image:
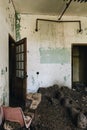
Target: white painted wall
(51,36)
(7,26)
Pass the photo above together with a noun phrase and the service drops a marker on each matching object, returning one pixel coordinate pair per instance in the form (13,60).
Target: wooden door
(21,71)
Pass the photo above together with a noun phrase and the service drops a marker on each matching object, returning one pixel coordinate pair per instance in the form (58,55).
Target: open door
(21,71)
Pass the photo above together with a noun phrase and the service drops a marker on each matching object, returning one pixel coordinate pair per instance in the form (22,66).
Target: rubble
(74,110)
(81,121)
(9,125)
(64,109)
(35,98)
(58,108)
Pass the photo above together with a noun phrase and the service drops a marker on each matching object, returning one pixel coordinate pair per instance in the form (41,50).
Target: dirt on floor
(54,112)
(61,108)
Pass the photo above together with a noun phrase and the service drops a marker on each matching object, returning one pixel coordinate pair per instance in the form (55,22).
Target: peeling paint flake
(17,26)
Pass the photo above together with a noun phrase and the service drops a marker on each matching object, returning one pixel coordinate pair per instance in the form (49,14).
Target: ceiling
(50,7)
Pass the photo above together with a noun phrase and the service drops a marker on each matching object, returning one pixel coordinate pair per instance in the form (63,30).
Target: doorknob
(25,75)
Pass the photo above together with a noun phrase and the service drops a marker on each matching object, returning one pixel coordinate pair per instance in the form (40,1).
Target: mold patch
(17,26)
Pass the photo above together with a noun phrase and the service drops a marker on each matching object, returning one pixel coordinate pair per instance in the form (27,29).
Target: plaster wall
(7,26)
(49,49)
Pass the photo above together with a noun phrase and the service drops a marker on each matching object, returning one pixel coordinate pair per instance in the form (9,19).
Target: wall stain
(85,29)
(65,78)
(33,80)
(17,26)
(10,17)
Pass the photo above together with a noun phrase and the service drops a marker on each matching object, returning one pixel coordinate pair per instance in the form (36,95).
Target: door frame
(74,44)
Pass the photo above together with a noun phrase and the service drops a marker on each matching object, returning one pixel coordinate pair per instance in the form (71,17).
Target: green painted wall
(54,55)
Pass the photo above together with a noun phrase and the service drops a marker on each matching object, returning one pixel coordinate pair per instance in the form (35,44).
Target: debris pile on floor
(52,108)
(35,99)
(61,108)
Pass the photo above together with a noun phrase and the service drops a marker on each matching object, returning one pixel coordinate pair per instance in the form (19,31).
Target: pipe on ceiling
(58,21)
(67,5)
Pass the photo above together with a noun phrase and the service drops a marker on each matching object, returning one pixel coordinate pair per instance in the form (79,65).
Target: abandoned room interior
(43,64)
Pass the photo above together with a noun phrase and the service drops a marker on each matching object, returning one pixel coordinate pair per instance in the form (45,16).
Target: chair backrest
(13,114)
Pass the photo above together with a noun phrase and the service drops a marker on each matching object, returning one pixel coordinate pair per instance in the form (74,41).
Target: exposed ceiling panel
(39,6)
(50,7)
(77,9)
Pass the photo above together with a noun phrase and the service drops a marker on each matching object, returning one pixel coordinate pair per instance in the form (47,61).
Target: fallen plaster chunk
(82,121)
(36,99)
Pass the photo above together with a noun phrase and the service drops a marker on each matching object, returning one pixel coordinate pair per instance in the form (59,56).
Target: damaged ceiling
(51,7)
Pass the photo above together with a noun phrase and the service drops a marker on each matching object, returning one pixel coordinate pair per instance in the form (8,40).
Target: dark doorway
(79,64)
(11,69)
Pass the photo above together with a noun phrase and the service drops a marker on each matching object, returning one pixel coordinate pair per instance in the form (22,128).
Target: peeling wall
(7,26)
(49,49)
(17,25)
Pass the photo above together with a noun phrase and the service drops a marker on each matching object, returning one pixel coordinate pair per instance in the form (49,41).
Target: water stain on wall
(65,78)
(54,55)
(33,80)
